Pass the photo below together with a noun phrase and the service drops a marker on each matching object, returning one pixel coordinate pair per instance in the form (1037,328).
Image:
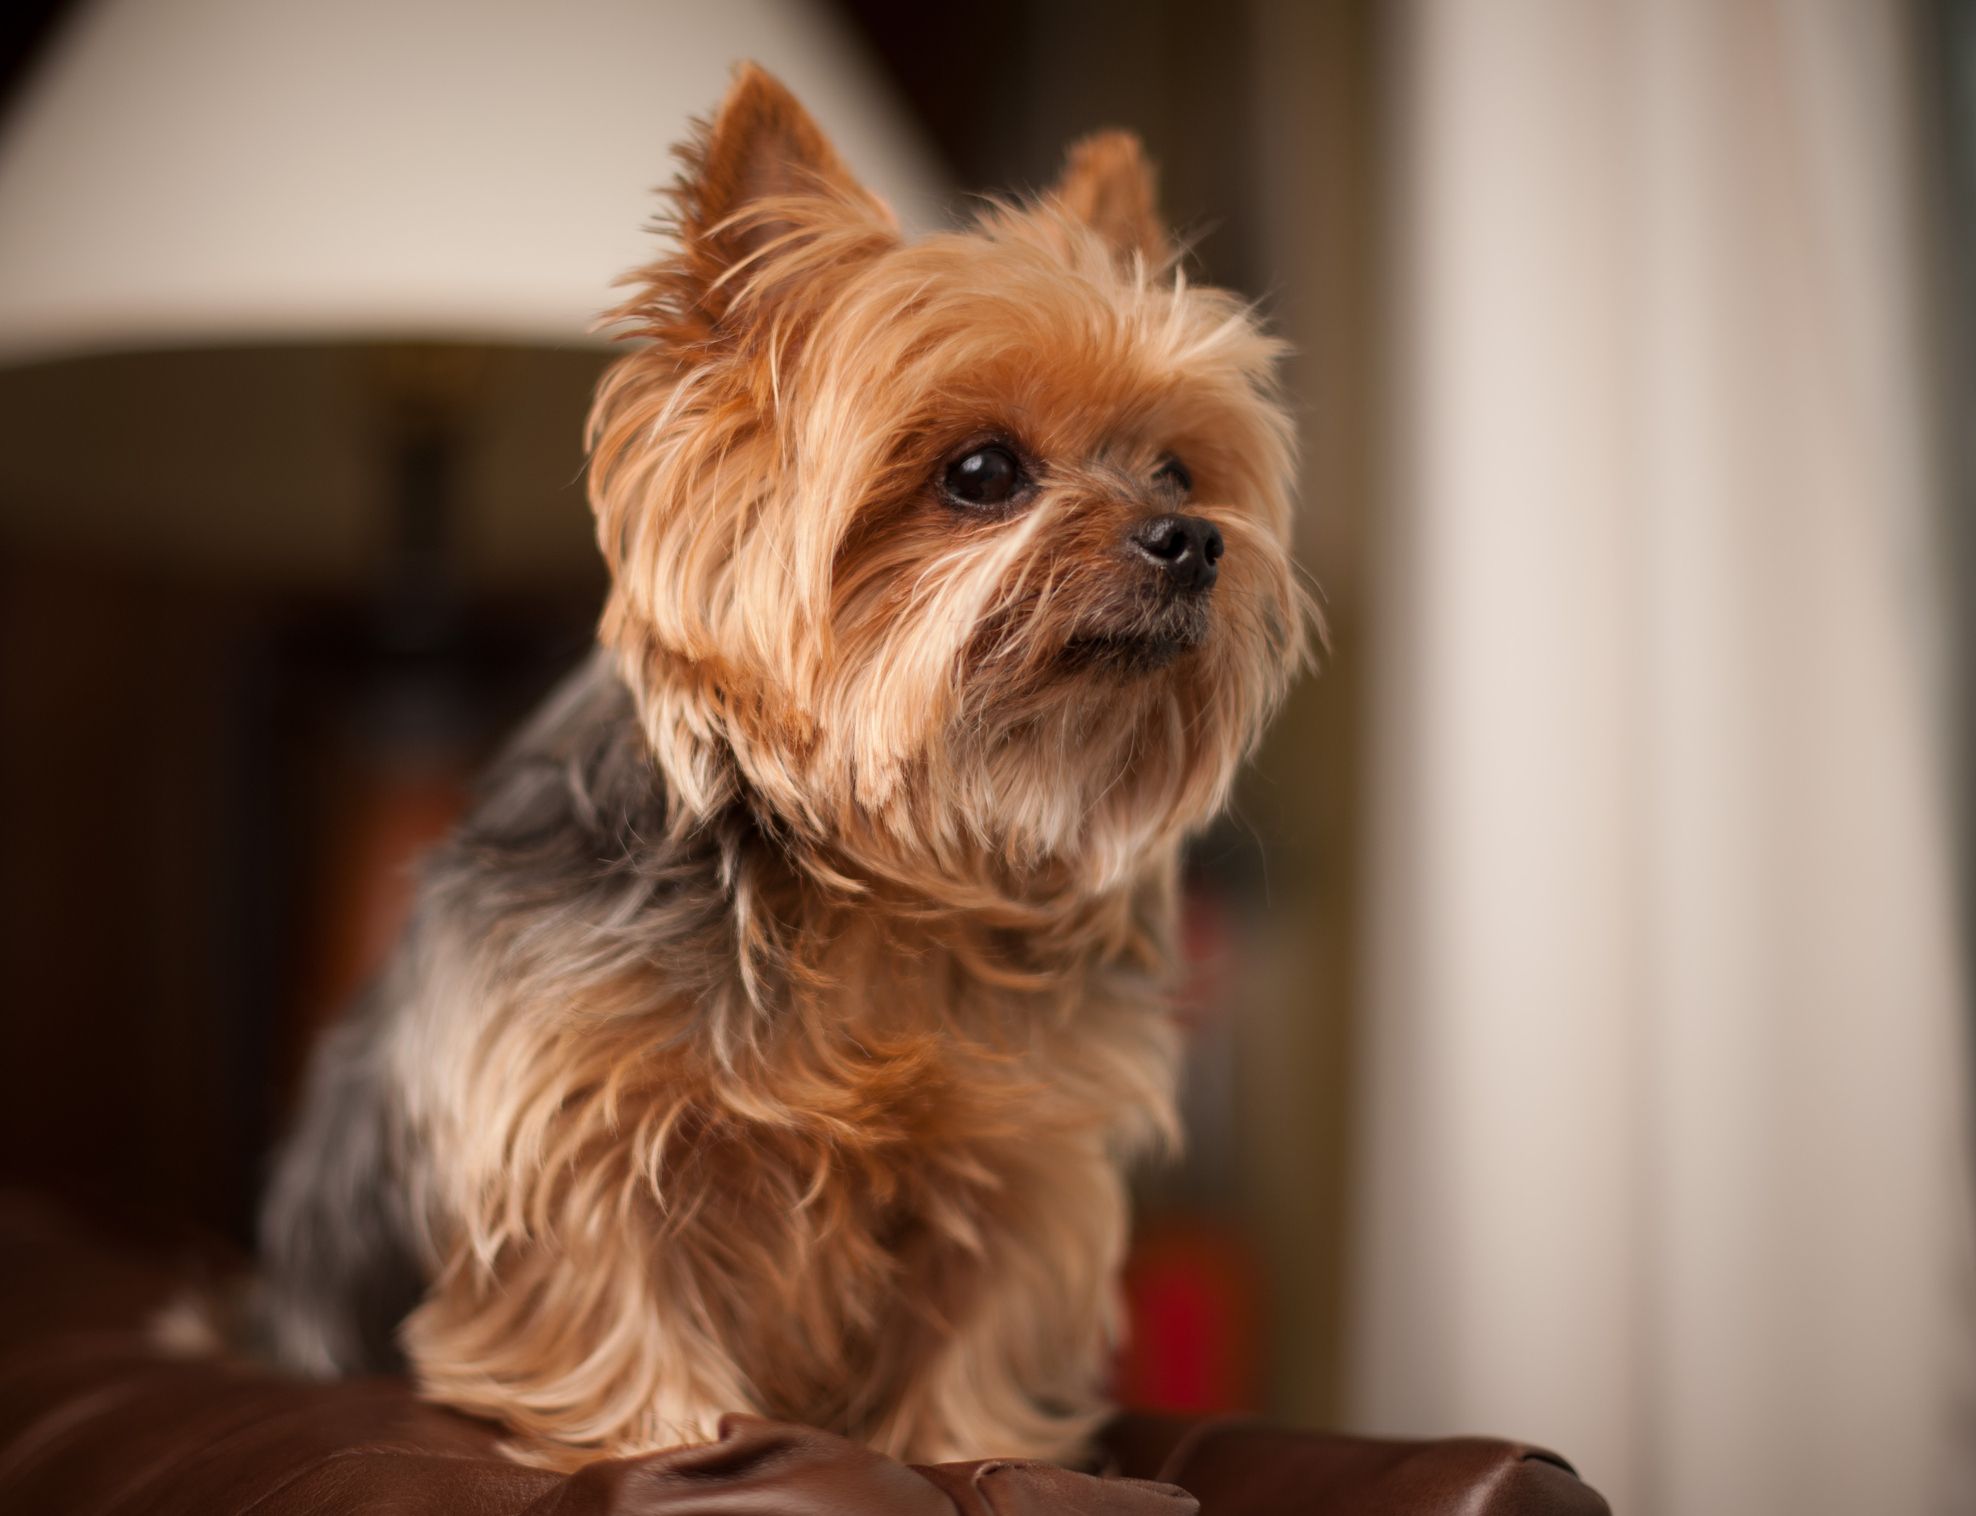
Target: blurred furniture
(97,1421)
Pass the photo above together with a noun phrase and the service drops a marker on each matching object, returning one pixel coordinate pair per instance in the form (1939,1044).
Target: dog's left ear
(763,170)
(1109,184)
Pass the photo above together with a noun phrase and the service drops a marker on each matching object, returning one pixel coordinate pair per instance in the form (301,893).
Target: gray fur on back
(567,844)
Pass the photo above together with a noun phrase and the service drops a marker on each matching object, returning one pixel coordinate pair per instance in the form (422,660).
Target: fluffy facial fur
(773,1035)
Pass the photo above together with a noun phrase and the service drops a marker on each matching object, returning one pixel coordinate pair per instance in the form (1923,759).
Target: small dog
(775,1031)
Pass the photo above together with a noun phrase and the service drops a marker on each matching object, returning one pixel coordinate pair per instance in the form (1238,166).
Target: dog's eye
(1172,471)
(987,476)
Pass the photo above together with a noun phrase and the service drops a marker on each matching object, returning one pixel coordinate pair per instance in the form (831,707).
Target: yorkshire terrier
(774,1033)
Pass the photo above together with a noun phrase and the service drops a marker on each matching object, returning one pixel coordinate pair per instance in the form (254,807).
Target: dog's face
(973,548)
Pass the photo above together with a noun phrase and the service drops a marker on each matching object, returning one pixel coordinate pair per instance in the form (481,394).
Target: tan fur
(871,1179)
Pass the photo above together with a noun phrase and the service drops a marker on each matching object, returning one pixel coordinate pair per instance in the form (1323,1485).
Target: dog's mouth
(1140,649)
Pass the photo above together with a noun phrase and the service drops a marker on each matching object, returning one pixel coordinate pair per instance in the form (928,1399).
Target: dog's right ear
(758,178)
(1109,184)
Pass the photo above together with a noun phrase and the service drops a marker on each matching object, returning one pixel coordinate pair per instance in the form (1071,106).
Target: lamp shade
(213,213)
(187,172)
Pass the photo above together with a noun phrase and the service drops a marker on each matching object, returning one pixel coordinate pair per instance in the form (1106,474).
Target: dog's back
(347,1238)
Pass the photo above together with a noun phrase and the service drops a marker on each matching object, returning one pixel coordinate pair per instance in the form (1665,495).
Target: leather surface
(1237,1467)
(95,1421)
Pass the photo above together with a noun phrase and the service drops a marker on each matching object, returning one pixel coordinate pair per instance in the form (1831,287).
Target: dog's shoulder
(575,788)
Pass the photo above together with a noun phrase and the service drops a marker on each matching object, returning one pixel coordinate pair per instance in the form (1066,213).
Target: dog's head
(971,549)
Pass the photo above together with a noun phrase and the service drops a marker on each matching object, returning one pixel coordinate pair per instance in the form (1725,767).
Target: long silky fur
(774,1034)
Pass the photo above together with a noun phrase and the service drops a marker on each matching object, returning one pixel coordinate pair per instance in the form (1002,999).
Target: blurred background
(1582,1045)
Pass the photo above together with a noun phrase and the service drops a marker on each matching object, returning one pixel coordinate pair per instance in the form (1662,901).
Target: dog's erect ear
(1109,185)
(761,170)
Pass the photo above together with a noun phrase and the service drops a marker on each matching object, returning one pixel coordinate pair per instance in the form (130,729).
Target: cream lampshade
(223,223)
(198,171)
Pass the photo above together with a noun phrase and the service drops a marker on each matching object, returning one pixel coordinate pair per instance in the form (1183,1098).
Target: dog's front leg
(570,1345)
(1020,1371)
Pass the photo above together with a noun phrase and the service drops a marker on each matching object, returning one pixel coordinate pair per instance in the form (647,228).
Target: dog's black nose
(1186,548)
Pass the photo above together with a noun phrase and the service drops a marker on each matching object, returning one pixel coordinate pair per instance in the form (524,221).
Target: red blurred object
(376,830)
(1191,1296)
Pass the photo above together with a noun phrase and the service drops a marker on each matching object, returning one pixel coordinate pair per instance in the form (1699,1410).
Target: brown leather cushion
(1239,1467)
(95,1420)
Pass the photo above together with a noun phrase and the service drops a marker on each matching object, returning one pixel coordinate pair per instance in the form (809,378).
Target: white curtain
(1665,1134)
